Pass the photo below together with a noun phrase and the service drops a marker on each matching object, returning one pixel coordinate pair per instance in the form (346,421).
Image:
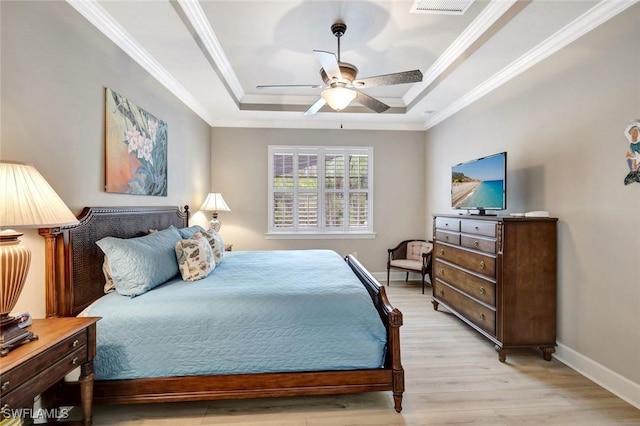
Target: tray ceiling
(212,54)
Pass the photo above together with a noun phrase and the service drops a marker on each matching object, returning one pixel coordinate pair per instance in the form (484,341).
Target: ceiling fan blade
(279,86)
(329,64)
(413,76)
(370,102)
(315,107)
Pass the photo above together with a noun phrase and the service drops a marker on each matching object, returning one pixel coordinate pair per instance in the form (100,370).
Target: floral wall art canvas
(136,149)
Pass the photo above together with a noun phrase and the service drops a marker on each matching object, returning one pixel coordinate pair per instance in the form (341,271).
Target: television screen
(480,184)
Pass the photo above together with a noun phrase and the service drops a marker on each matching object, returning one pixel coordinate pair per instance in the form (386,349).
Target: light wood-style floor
(452,376)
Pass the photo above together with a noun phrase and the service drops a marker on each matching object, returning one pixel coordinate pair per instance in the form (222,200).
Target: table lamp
(215,203)
(26,201)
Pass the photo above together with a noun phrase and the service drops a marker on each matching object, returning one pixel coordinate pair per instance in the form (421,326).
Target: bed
(74,285)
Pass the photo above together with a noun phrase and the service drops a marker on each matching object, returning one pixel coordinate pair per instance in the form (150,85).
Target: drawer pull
(482,290)
(441,271)
(446,237)
(482,317)
(446,224)
(476,243)
(75,343)
(74,361)
(442,293)
(476,228)
(441,252)
(5,385)
(482,265)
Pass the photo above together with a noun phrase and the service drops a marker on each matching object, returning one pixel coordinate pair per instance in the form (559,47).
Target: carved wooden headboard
(74,277)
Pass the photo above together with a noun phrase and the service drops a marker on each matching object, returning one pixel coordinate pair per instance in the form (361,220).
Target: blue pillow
(140,264)
(190,231)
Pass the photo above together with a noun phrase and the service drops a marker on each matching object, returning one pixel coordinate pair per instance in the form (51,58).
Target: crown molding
(103,21)
(580,26)
(197,18)
(478,27)
(314,123)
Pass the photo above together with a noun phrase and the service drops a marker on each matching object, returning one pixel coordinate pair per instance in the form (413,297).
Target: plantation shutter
(320,190)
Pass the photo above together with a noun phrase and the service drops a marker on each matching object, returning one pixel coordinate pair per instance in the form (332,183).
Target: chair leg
(388,277)
(422,283)
(407,278)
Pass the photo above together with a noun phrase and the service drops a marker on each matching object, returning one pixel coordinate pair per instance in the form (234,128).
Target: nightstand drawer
(36,365)
(38,383)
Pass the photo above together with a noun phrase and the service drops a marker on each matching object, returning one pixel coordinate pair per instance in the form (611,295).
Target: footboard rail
(392,319)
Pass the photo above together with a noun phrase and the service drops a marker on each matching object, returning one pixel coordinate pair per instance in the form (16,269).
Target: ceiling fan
(341,86)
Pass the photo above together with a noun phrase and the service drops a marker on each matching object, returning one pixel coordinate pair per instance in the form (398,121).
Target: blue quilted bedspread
(258,311)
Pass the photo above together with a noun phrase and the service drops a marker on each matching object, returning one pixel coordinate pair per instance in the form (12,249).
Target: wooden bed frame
(74,279)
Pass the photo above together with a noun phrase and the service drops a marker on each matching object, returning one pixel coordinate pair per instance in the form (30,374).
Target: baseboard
(397,276)
(610,380)
(619,385)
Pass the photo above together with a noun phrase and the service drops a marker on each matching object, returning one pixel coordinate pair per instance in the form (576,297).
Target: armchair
(411,256)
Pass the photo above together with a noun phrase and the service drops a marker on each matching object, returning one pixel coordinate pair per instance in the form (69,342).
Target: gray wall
(562,124)
(55,66)
(239,171)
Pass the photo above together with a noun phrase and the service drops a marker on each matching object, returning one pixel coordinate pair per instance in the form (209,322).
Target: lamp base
(12,335)
(215,223)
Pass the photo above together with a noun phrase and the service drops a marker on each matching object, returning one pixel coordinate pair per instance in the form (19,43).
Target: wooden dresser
(498,274)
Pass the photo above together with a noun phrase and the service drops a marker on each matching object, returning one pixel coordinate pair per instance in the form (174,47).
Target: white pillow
(109,286)
(217,245)
(195,257)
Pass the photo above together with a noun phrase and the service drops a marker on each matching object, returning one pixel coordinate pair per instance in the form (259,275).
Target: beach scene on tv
(478,184)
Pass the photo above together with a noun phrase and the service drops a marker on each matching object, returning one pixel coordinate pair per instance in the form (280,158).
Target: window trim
(321,232)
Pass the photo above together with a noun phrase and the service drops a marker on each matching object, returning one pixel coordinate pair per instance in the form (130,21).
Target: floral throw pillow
(195,257)
(217,245)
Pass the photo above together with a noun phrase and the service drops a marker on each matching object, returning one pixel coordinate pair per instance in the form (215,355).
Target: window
(320,190)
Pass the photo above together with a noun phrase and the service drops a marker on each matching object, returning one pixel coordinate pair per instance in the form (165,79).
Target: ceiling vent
(442,7)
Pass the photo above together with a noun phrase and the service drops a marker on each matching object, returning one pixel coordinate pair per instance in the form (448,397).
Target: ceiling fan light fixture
(338,98)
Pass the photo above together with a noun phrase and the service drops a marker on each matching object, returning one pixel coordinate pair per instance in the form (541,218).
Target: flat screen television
(480,184)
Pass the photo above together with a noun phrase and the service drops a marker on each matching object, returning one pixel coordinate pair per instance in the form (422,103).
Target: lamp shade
(338,98)
(28,201)
(215,203)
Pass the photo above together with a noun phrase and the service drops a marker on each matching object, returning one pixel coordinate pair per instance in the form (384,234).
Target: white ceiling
(213,53)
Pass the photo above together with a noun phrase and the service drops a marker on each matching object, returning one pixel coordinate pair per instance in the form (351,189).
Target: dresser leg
(547,351)
(86,392)
(435,305)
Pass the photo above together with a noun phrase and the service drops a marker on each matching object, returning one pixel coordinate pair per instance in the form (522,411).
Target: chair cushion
(416,248)
(414,265)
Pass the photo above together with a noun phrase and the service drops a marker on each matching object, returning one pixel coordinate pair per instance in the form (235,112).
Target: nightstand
(63,345)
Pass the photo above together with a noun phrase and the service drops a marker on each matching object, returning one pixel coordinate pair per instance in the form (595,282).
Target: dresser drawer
(448,224)
(448,237)
(473,311)
(476,262)
(474,286)
(478,243)
(41,362)
(38,383)
(479,227)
